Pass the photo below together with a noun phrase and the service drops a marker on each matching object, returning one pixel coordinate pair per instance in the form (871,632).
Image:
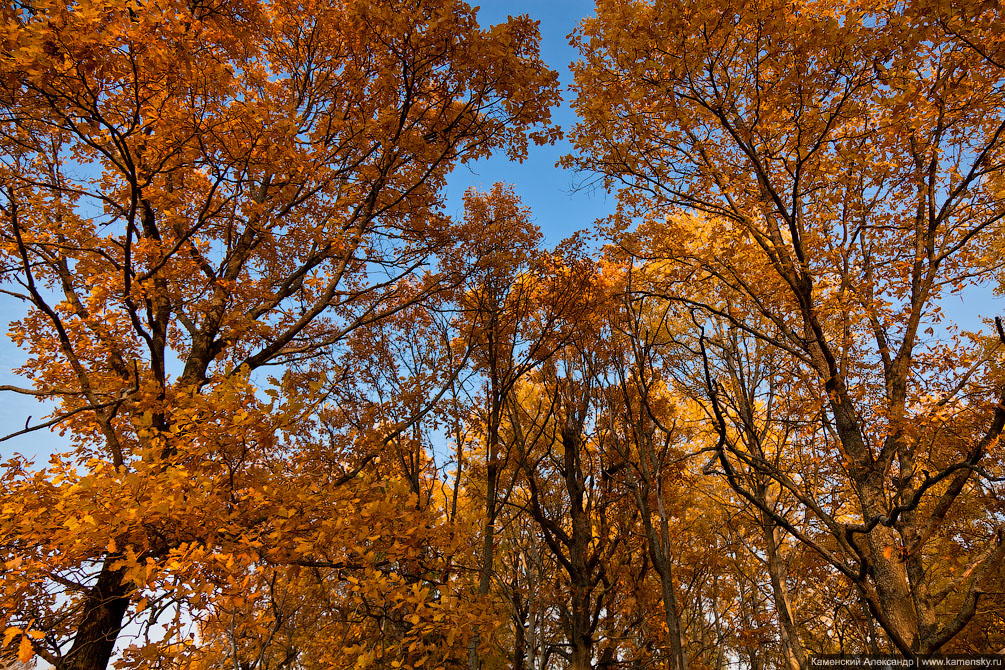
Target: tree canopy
(313,420)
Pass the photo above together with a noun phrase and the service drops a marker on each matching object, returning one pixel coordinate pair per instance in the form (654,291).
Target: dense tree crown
(311,420)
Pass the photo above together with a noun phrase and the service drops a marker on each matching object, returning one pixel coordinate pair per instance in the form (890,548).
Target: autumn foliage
(311,420)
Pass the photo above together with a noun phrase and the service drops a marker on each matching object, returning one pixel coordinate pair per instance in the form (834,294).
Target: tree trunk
(659,552)
(104,608)
(519,635)
(493,468)
(581,636)
(792,648)
(672,618)
(488,557)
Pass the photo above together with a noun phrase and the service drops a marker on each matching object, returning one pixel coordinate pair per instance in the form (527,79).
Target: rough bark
(102,613)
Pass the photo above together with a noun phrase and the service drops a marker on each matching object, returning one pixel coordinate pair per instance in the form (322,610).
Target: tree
(645,438)
(818,179)
(193,192)
(564,487)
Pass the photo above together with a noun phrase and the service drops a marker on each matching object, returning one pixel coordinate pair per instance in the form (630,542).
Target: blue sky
(557,206)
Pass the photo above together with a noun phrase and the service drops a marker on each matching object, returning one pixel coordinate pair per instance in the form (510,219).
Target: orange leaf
(24,650)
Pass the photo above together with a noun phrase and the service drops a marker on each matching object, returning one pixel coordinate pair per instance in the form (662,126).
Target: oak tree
(821,177)
(196,195)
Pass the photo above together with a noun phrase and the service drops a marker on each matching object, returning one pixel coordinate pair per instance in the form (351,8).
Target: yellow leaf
(24,650)
(9,634)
